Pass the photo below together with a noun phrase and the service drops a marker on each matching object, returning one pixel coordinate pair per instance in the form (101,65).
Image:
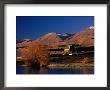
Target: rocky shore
(69,65)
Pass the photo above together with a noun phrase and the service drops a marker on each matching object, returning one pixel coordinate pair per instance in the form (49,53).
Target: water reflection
(30,70)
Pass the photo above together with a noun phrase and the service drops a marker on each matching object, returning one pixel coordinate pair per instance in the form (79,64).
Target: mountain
(51,39)
(23,43)
(83,38)
(64,36)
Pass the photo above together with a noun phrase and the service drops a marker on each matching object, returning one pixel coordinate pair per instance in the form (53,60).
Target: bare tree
(37,53)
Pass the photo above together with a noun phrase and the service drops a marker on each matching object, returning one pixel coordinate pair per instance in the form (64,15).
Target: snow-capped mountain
(52,39)
(83,38)
(24,42)
(64,36)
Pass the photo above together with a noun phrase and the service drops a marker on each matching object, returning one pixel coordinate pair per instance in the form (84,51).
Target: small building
(66,51)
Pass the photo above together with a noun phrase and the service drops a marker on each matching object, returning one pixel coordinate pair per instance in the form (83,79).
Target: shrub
(37,53)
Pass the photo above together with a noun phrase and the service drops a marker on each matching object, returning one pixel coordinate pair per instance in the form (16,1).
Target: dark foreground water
(30,70)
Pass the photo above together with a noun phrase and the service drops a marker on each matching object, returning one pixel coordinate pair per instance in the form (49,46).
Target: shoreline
(70,65)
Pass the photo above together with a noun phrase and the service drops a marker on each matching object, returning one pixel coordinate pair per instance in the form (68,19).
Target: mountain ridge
(53,39)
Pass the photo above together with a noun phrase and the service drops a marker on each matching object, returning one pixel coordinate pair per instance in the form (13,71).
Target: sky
(32,27)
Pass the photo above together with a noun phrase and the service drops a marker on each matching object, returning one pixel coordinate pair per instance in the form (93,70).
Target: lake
(29,70)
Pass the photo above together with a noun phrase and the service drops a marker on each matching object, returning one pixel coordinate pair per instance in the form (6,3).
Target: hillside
(83,38)
(52,39)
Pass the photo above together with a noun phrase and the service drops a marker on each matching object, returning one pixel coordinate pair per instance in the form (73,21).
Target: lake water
(30,70)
